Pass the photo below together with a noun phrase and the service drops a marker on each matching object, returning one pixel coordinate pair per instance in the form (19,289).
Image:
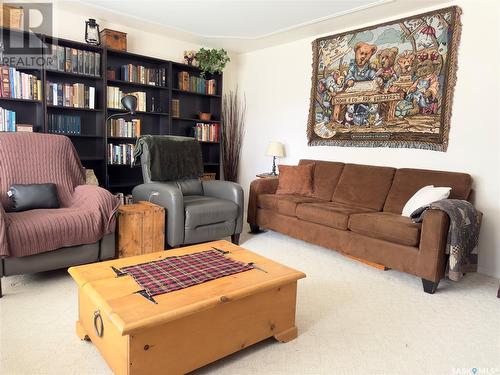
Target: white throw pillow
(424,197)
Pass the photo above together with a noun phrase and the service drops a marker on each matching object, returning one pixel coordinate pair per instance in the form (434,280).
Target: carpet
(352,319)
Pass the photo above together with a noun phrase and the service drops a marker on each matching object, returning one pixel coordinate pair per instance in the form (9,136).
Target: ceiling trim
(228,37)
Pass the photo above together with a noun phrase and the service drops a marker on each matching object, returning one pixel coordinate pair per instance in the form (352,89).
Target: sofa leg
(1,295)
(254,228)
(235,238)
(429,286)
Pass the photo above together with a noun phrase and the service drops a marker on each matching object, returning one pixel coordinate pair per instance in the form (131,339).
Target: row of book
(7,120)
(64,124)
(77,95)
(207,132)
(72,60)
(122,128)
(188,82)
(121,154)
(19,85)
(141,74)
(115,96)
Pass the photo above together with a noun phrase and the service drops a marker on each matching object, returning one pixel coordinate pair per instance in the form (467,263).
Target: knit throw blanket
(170,157)
(463,234)
(86,213)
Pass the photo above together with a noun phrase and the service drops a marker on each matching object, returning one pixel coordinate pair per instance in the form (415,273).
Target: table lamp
(276,150)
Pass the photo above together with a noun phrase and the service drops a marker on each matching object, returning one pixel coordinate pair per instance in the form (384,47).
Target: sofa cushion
(284,204)
(326,177)
(296,179)
(363,186)
(333,215)
(201,210)
(386,226)
(408,181)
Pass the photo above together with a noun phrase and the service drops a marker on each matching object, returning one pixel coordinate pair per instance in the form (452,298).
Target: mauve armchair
(80,231)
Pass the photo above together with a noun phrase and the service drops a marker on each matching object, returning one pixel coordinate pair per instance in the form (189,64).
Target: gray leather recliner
(196,211)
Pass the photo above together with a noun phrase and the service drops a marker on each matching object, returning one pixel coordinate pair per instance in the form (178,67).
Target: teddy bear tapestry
(389,85)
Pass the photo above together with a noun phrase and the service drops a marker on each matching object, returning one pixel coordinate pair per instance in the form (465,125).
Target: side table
(141,229)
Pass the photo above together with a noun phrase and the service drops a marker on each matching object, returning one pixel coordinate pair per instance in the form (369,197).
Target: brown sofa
(356,209)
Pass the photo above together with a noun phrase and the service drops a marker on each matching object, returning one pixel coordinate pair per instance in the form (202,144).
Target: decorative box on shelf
(208,176)
(114,39)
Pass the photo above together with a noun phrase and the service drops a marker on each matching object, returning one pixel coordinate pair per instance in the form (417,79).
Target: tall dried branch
(233,124)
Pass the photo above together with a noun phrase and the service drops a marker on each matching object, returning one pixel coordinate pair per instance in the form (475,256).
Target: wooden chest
(141,229)
(188,328)
(114,39)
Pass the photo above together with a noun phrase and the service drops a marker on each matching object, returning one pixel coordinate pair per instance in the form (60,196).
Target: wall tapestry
(389,85)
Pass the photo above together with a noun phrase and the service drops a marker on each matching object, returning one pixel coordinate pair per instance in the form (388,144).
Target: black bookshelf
(92,141)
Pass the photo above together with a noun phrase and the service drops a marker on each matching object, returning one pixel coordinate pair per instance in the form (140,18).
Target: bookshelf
(91,134)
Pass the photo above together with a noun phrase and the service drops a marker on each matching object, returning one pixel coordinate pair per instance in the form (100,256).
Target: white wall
(277,84)
(71,25)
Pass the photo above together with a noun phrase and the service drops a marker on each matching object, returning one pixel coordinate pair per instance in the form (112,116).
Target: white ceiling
(242,26)
(233,19)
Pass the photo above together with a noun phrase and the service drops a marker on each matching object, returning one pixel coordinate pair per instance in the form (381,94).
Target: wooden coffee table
(188,328)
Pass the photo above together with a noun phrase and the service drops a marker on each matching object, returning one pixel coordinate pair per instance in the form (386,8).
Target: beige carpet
(352,319)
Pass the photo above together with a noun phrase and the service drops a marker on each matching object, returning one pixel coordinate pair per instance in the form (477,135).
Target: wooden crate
(141,229)
(12,17)
(188,328)
(114,39)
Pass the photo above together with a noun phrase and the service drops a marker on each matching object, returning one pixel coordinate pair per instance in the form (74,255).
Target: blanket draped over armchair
(171,157)
(86,213)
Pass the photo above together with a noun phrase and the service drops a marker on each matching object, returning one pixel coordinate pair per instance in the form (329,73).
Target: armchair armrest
(230,191)
(103,200)
(4,246)
(433,237)
(259,186)
(170,197)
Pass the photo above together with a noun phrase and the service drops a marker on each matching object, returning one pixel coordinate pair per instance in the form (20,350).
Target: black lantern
(92,32)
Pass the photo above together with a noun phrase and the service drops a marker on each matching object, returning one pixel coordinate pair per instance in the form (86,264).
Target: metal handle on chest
(99,327)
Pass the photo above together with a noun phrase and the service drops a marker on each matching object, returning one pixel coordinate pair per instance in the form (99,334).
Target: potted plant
(212,60)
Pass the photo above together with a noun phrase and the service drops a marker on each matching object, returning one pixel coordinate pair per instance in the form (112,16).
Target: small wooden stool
(141,229)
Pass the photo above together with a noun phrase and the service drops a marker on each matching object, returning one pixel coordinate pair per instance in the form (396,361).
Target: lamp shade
(129,102)
(276,149)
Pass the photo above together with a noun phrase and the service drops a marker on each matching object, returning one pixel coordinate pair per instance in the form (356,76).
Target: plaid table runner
(179,272)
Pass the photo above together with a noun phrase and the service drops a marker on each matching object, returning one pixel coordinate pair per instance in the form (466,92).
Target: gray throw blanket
(463,234)
(170,157)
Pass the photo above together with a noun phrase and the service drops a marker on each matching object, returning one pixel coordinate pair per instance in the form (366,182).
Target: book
(97,72)
(86,62)
(80,62)
(74,60)
(91,63)
(61,59)
(67,64)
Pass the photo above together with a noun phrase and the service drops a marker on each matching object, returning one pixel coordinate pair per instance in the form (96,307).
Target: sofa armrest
(4,246)
(433,238)
(230,191)
(259,186)
(170,197)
